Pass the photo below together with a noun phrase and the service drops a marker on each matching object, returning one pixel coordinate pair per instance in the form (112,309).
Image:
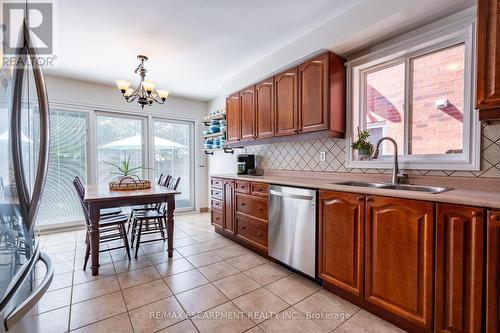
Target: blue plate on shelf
(214,129)
(214,122)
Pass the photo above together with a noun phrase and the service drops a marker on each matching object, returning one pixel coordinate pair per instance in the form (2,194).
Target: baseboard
(204,209)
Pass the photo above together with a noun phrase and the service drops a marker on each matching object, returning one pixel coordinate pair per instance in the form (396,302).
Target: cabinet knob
(217,219)
(259,209)
(243,228)
(259,234)
(360,198)
(475,213)
(495,217)
(242,204)
(369,199)
(260,189)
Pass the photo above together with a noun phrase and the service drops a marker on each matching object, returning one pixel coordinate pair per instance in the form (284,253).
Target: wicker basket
(130,184)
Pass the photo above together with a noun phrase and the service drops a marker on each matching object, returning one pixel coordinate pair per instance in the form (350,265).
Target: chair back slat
(80,191)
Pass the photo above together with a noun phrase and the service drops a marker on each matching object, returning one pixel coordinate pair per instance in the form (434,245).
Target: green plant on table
(124,169)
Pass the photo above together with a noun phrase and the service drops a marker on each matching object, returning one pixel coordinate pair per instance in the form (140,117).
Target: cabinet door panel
(285,92)
(264,109)
(493,273)
(341,240)
(313,94)
(247,104)
(399,257)
(233,120)
(459,268)
(228,206)
(488,58)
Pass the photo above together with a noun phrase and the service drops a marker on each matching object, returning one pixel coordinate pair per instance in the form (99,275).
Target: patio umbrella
(135,142)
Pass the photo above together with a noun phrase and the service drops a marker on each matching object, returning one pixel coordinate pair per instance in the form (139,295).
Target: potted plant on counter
(363,148)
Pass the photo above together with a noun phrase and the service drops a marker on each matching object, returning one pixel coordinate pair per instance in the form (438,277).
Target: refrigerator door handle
(20,311)
(43,106)
(29,206)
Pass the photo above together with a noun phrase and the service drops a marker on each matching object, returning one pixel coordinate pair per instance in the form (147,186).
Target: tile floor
(210,285)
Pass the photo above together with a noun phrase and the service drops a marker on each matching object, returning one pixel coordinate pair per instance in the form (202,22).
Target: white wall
(81,94)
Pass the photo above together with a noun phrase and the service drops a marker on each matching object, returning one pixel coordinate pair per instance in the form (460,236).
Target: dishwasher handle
(292,196)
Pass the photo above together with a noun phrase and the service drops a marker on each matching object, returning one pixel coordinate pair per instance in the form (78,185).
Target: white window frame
(437,36)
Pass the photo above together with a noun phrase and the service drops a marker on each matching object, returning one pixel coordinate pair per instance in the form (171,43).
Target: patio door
(174,155)
(120,139)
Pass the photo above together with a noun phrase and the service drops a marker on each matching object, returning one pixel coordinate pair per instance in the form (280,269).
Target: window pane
(67,159)
(438,102)
(118,139)
(173,156)
(384,93)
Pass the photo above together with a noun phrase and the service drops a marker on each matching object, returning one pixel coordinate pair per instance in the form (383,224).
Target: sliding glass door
(173,155)
(67,159)
(119,139)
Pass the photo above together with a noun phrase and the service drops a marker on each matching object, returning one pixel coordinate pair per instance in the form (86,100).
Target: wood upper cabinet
(247,112)
(399,258)
(286,102)
(488,59)
(341,240)
(493,272)
(459,268)
(264,109)
(314,94)
(228,202)
(233,119)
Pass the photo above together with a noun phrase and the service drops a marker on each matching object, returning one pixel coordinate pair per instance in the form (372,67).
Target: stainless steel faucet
(396,176)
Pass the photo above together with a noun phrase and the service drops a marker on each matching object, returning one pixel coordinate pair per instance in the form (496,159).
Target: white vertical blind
(67,159)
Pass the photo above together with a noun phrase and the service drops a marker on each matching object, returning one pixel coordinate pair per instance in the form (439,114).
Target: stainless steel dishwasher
(292,227)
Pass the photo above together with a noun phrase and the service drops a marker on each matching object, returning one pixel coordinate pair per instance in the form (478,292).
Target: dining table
(98,197)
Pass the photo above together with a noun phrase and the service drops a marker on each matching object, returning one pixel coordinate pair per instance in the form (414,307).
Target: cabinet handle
(360,198)
(242,186)
(259,234)
(475,213)
(259,209)
(242,204)
(243,228)
(260,189)
(495,217)
(217,218)
(369,199)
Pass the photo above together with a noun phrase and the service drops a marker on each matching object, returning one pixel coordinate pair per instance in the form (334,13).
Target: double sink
(401,187)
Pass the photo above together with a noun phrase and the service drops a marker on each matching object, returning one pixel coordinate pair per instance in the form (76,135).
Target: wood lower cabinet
(286,102)
(314,94)
(228,203)
(341,240)
(247,114)
(493,272)
(251,231)
(233,119)
(264,109)
(459,268)
(253,206)
(488,59)
(217,218)
(399,256)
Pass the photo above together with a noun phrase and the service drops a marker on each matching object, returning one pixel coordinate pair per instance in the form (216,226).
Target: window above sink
(418,90)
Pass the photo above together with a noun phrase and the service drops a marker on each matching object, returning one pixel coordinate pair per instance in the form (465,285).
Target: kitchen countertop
(478,198)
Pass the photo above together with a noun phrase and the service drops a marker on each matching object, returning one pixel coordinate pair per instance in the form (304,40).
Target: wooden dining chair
(104,211)
(111,226)
(140,208)
(151,221)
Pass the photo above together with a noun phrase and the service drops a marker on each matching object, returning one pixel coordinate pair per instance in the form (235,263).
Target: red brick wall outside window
(435,76)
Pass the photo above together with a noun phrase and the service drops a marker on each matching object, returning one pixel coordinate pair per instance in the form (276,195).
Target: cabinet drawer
(216,193)
(242,187)
(252,232)
(216,204)
(260,189)
(217,218)
(253,206)
(216,182)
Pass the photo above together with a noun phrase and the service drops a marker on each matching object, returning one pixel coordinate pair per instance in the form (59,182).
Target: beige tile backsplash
(303,156)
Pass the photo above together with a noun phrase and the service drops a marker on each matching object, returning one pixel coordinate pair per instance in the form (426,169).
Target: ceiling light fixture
(144,93)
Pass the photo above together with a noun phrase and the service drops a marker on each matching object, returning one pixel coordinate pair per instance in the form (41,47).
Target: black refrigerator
(24,149)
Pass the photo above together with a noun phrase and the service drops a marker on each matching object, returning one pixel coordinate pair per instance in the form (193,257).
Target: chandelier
(144,93)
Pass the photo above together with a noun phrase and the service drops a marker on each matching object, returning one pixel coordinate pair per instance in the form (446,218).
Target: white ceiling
(193,45)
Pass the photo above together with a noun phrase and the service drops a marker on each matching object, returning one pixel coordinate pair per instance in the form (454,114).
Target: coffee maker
(245,163)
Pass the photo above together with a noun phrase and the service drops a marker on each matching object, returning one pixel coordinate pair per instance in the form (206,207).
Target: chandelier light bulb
(149,86)
(122,85)
(163,94)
